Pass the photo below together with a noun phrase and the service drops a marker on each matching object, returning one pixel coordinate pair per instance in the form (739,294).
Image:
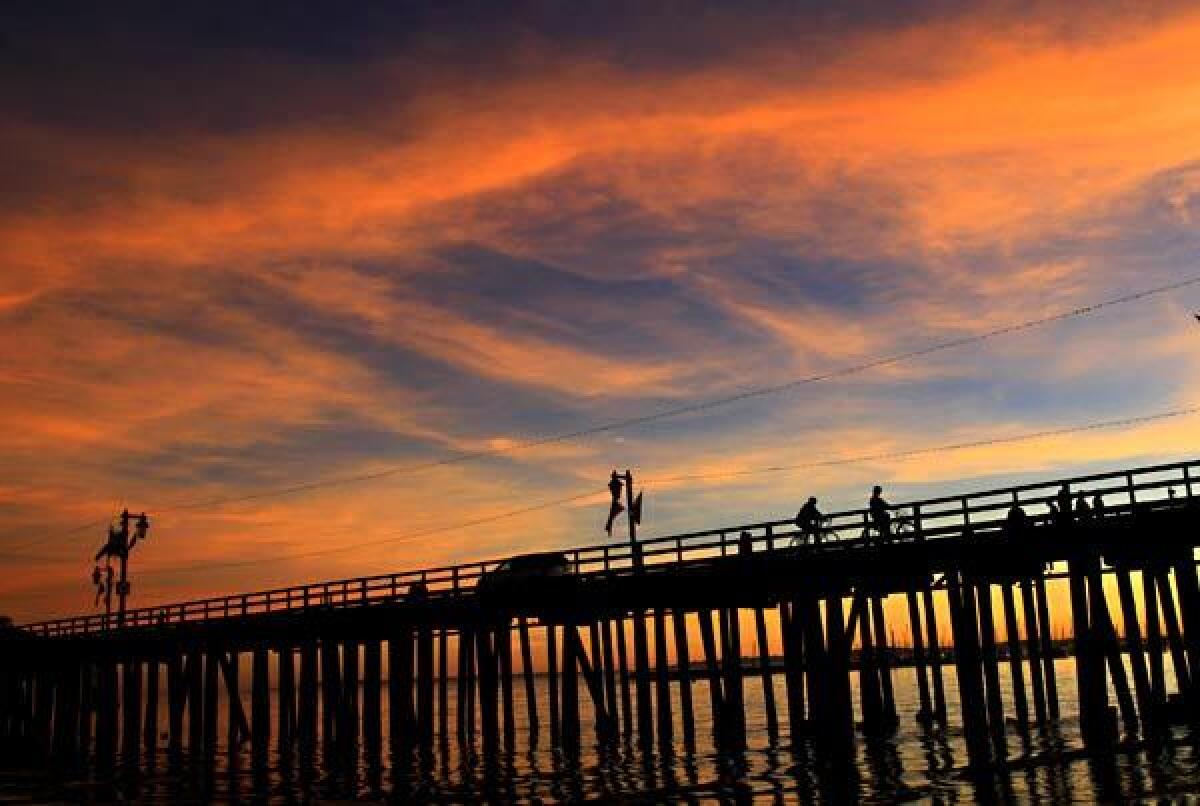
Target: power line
(692,408)
(677,411)
(397,538)
(954,446)
(893,455)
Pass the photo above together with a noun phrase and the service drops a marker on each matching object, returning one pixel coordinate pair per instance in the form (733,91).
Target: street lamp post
(119,545)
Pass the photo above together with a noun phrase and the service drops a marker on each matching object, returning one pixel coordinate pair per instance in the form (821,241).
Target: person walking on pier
(1064,503)
(1017,522)
(1098,506)
(808,521)
(1083,512)
(881,515)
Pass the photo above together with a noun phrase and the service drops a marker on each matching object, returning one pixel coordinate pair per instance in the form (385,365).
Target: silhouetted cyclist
(808,520)
(881,514)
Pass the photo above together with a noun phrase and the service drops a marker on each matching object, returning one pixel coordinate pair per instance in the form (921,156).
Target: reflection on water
(913,765)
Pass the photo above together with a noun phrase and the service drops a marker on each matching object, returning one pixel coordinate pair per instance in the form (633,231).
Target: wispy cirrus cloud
(364,243)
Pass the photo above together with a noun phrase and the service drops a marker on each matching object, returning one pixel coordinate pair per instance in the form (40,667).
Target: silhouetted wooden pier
(619,632)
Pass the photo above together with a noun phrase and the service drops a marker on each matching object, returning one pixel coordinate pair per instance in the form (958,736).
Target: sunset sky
(248,250)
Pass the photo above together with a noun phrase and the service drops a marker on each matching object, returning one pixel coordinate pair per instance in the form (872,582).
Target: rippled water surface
(913,765)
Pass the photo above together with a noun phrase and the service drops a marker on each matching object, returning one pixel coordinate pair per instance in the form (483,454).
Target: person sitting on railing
(808,521)
(881,515)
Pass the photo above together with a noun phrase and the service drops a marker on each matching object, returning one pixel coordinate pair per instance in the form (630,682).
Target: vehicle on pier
(539,578)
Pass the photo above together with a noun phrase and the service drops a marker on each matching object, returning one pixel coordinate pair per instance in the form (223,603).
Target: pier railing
(1156,486)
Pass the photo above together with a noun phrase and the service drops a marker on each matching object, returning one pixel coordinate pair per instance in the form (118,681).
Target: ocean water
(914,765)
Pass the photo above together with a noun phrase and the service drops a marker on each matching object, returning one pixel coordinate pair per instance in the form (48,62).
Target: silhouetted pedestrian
(745,543)
(881,515)
(1064,503)
(1082,511)
(808,521)
(1098,506)
(1017,521)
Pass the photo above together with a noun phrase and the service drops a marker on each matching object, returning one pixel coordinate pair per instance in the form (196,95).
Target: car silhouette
(529,577)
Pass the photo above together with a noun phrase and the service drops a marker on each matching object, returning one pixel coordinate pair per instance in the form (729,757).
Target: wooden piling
(372,693)
(552,684)
(1033,646)
(1111,648)
(662,681)
(869,691)
(731,661)
(1189,610)
(230,668)
(150,723)
(883,654)
(66,716)
(331,697)
(195,701)
(967,663)
(1136,653)
(1016,659)
(570,690)
(43,711)
(349,728)
(764,669)
(1093,706)
(683,668)
(504,656)
(443,690)
(528,672)
(239,727)
(425,686)
(131,714)
(212,669)
(465,641)
(815,666)
(641,677)
(106,714)
(306,726)
(791,635)
(1183,673)
(401,714)
(486,663)
(260,707)
(935,654)
(287,721)
(623,664)
(610,672)
(990,658)
(1154,641)
(712,669)
(925,714)
(836,683)
(87,709)
(1048,652)
(594,679)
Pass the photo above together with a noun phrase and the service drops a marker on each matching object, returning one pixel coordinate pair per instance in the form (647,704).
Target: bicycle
(816,537)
